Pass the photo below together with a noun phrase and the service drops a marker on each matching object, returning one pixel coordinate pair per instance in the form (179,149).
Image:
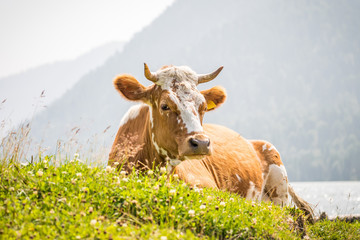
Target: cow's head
(177,108)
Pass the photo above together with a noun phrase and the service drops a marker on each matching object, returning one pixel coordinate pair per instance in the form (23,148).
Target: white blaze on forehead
(132,113)
(184,94)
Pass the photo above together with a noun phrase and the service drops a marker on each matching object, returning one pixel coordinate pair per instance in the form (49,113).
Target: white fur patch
(272,147)
(252,193)
(238,177)
(264,147)
(277,179)
(132,113)
(159,150)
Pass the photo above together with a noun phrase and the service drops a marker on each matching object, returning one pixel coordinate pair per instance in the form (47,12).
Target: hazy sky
(42,31)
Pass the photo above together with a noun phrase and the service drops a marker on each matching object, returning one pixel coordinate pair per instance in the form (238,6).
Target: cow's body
(236,164)
(168,129)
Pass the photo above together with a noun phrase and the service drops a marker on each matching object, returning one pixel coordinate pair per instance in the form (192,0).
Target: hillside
(73,200)
(291,70)
(53,78)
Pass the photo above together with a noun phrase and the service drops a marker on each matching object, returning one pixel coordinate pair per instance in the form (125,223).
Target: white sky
(35,32)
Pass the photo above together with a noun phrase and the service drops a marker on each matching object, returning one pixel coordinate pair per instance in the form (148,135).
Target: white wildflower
(76,155)
(125,179)
(222,203)
(172,192)
(39,173)
(123,173)
(209,198)
(78,174)
(163,170)
(163,238)
(150,172)
(231,199)
(202,206)
(93,222)
(175,176)
(191,213)
(30,173)
(109,169)
(172,207)
(85,189)
(11,189)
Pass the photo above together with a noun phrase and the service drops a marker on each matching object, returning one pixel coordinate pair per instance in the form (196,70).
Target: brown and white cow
(168,128)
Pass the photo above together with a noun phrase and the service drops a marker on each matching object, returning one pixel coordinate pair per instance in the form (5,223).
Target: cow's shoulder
(131,138)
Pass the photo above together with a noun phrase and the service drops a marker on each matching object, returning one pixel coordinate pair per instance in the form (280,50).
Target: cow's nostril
(194,143)
(208,143)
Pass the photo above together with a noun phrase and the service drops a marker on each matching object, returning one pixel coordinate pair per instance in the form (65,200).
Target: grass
(77,201)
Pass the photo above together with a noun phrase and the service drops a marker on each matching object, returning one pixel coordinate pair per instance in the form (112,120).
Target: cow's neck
(163,158)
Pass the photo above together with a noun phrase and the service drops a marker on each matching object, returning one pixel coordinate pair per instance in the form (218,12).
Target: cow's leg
(275,186)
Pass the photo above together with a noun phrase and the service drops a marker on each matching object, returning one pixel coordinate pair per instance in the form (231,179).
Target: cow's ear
(214,97)
(130,88)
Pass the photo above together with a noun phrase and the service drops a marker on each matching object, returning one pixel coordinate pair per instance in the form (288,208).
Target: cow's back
(233,164)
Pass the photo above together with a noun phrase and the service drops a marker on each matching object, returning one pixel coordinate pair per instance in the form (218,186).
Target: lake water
(334,198)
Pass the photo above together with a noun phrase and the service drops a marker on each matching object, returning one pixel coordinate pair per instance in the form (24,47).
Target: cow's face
(177,109)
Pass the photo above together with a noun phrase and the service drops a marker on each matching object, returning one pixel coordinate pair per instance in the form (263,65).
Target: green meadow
(45,199)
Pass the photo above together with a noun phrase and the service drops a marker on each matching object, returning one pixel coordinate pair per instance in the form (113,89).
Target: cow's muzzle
(195,145)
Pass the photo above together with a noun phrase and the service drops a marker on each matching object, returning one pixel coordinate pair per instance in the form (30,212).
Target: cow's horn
(149,75)
(203,78)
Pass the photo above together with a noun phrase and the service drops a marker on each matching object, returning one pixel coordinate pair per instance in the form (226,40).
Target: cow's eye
(165,107)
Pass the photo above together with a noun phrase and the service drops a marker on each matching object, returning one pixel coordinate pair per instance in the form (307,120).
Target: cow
(166,129)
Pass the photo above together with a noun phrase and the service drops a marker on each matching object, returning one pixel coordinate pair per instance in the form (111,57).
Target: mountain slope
(54,79)
(292,73)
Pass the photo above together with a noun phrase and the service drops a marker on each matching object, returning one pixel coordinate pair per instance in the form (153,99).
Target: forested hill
(291,70)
